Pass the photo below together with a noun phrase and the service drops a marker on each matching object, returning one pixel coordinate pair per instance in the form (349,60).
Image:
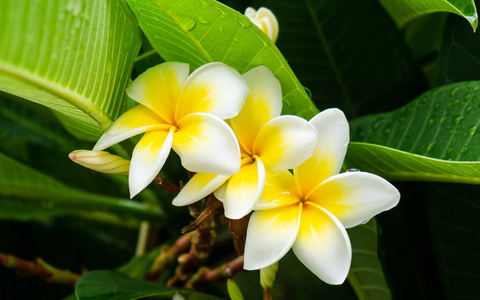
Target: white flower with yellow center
(265,20)
(309,210)
(184,113)
(268,142)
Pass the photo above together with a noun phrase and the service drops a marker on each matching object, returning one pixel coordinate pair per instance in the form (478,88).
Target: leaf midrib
(64,93)
(338,76)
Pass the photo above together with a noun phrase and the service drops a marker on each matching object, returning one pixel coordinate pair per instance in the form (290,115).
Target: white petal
(322,244)
(220,192)
(243,190)
(279,190)
(206,144)
(158,88)
(264,102)
(285,142)
(198,187)
(213,88)
(270,234)
(327,159)
(355,197)
(135,121)
(148,158)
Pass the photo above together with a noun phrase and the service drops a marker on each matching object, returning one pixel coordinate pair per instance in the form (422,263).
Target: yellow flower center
(247,159)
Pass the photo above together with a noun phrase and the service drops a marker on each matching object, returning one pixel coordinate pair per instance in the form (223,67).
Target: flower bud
(267,276)
(100,161)
(265,20)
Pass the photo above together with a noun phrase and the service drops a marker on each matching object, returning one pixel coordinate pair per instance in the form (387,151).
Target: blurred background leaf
(326,44)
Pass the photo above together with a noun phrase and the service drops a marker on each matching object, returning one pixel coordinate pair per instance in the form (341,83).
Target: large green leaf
(366,274)
(202,31)
(72,56)
(437,135)
(23,190)
(403,11)
(459,56)
(101,285)
(349,54)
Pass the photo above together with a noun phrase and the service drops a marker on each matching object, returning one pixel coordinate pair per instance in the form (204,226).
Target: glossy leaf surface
(72,56)
(202,31)
(403,11)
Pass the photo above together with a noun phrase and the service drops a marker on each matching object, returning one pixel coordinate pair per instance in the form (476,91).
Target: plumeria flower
(265,20)
(184,113)
(268,142)
(310,209)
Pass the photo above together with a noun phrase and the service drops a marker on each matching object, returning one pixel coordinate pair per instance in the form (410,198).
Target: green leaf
(459,56)
(234,291)
(400,165)
(454,237)
(100,285)
(437,135)
(349,54)
(366,273)
(34,191)
(74,57)
(202,31)
(403,11)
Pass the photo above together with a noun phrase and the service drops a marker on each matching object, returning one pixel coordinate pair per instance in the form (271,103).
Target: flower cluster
(227,129)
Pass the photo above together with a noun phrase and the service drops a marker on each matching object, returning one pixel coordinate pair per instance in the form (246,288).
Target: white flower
(309,210)
(268,142)
(265,20)
(184,113)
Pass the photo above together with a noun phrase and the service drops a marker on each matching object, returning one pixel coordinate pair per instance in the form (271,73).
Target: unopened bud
(265,20)
(267,276)
(100,161)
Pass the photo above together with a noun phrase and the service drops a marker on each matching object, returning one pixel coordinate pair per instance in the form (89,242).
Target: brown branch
(166,185)
(168,255)
(202,243)
(39,268)
(205,275)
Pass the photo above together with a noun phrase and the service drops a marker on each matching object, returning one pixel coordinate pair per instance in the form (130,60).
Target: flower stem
(222,273)
(166,185)
(168,255)
(39,268)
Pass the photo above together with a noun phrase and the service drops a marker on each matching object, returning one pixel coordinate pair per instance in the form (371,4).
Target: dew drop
(353,170)
(458,119)
(202,20)
(220,28)
(436,106)
(467,97)
(464,150)
(309,93)
(453,92)
(108,67)
(443,120)
(245,22)
(287,102)
(431,122)
(431,146)
(191,25)
(472,130)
